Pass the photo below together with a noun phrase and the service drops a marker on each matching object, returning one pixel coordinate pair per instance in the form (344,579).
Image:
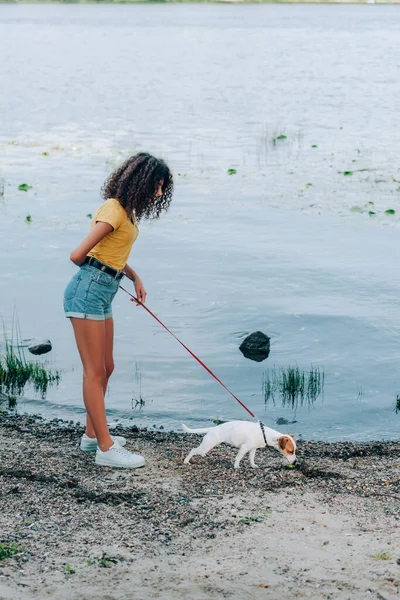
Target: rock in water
(256,346)
(283,421)
(41,348)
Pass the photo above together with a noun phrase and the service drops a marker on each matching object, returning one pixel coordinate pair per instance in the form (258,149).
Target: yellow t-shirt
(114,248)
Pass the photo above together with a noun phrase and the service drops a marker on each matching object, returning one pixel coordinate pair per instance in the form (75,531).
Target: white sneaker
(118,457)
(90,444)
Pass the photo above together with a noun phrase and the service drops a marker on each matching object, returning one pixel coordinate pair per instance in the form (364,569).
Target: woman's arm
(137,282)
(99,231)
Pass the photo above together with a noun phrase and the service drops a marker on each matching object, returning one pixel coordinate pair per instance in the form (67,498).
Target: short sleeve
(111,213)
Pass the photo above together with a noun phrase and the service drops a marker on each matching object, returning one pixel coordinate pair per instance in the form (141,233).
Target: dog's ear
(286,444)
(282,441)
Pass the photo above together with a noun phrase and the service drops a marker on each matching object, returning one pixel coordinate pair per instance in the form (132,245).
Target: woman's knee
(94,376)
(109,369)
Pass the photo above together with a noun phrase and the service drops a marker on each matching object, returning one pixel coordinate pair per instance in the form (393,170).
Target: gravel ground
(327,529)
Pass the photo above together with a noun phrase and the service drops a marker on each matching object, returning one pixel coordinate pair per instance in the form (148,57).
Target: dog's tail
(187,430)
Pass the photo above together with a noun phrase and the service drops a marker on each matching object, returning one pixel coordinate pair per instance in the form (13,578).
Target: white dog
(247,437)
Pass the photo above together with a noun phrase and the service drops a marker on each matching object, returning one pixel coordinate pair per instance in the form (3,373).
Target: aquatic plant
(24,187)
(278,137)
(390,211)
(347,173)
(28,218)
(16,372)
(293,385)
(231,171)
(137,400)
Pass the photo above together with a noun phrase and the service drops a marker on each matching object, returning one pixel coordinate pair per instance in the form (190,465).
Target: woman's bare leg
(91,341)
(109,368)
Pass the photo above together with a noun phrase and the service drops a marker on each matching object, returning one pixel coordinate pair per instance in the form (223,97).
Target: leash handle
(190,352)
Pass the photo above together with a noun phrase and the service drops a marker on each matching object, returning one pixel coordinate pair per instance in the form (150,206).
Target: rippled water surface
(292,98)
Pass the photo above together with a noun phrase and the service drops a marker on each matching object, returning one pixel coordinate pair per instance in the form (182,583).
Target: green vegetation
(68,569)
(293,385)
(137,399)
(7,550)
(278,137)
(382,556)
(368,208)
(24,187)
(107,561)
(347,173)
(16,372)
(231,171)
(89,215)
(248,520)
(28,218)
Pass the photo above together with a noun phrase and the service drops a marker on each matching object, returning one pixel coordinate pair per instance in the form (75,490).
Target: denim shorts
(89,294)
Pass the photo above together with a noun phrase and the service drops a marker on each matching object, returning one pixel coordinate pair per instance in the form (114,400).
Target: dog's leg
(205,446)
(252,455)
(242,451)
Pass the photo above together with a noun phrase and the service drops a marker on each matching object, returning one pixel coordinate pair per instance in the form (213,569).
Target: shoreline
(247,2)
(330,526)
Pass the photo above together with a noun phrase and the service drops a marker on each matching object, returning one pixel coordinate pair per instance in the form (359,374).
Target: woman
(140,188)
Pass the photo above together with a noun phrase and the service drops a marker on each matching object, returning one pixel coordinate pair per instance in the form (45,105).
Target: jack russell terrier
(247,437)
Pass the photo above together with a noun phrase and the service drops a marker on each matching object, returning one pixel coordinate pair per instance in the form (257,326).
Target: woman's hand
(137,282)
(140,291)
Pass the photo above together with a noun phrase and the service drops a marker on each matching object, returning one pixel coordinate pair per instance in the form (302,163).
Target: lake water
(287,245)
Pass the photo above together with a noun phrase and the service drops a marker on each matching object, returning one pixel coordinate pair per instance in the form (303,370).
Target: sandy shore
(327,529)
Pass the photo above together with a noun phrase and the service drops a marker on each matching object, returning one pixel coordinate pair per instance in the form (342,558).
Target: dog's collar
(264,436)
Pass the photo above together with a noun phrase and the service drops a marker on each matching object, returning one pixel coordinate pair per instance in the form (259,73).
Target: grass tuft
(382,556)
(7,550)
(16,372)
(293,385)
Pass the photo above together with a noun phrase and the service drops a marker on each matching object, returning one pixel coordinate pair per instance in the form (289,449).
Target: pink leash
(192,354)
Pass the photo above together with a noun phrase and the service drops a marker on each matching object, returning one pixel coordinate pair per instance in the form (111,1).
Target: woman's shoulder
(113,202)
(111,205)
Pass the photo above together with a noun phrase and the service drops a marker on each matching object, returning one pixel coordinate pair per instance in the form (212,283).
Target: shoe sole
(105,463)
(88,449)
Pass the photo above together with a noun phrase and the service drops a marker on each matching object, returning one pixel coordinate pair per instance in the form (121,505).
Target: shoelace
(124,452)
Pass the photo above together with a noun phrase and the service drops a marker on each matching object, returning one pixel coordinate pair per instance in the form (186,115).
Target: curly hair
(135,183)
